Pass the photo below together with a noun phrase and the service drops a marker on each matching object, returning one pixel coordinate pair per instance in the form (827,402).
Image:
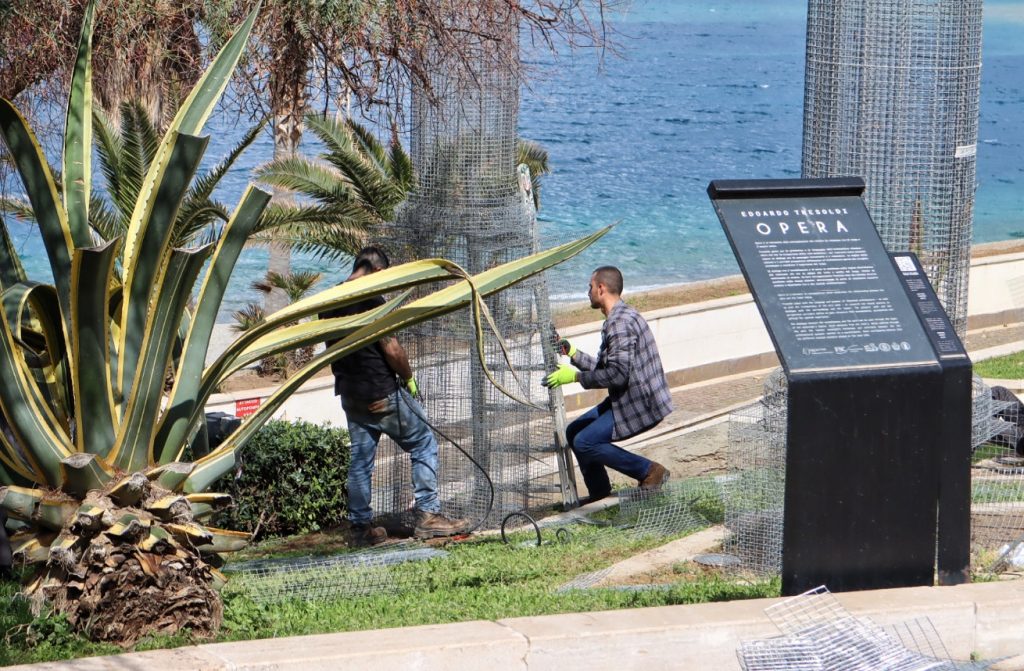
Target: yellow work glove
(566,348)
(414,389)
(564,374)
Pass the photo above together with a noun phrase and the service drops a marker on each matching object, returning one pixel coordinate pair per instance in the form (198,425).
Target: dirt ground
(695,453)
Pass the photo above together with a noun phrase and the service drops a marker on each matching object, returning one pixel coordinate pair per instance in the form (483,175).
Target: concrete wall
(698,341)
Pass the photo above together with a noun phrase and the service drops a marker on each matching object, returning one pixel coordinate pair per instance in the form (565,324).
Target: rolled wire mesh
(891,94)
(469,207)
(819,634)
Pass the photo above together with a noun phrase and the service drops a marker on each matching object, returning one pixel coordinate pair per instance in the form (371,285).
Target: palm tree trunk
(288,105)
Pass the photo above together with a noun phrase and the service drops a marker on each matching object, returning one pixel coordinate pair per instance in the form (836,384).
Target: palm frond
(195,220)
(310,217)
(206,183)
(133,164)
(18,207)
(104,220)
(109,149)
(332,130)
(400,168)
(310,178)
(249,317)
(145,127)
(368,145)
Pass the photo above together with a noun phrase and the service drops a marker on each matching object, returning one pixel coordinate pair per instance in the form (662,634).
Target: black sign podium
(878,428)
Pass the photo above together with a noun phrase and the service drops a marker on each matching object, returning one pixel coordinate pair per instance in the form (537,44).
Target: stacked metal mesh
(818,634)
(469,207)
(891,94)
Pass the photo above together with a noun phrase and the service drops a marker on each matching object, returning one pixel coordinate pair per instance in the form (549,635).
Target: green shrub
(291,480)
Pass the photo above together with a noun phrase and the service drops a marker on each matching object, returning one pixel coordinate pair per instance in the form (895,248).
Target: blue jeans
(405,425)
(590,437)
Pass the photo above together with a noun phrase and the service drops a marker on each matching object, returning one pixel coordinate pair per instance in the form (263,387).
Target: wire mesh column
(891,95)
(468,207)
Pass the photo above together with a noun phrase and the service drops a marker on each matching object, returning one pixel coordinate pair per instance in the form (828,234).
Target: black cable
(520,513)
(422,415)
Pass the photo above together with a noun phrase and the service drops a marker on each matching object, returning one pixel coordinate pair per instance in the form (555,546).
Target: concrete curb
(983,619)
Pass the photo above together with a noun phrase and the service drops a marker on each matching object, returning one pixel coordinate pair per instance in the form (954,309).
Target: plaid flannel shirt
(629,367)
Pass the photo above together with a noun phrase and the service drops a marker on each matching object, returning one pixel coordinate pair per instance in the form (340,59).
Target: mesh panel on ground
(819,634)
(361,573)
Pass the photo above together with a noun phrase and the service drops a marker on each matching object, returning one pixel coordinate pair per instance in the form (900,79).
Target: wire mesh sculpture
(891,94)
(472,206)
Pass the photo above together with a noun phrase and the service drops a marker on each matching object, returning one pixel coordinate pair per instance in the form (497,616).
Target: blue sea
(698,90)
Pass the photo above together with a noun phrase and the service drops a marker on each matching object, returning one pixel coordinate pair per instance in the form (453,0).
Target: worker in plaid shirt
(629,367)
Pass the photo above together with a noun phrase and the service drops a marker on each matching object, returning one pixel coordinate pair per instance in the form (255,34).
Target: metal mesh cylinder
(891,94)
(468,206)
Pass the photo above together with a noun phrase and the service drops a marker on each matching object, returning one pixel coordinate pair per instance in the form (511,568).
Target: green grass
(1009,367)
(480,579)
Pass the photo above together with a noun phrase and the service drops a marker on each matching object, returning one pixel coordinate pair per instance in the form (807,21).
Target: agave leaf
(310,333)
(208,469)
(41,188)
(134,447)
(40,301)
(189,120)
(91,271)
(11,476)
(11,270)
(83,472)
(77,169)
(149,240)
(225,540)
(391,279)
(174,427)
(20,502)
(31,420)
(15,468)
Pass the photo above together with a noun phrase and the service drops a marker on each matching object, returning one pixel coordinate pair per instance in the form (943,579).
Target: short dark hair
(370,259)
(611,278)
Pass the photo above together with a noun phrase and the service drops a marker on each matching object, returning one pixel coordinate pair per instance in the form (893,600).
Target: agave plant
(108,520)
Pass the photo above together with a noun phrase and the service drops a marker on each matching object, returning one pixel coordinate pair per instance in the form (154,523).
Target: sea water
(697,90)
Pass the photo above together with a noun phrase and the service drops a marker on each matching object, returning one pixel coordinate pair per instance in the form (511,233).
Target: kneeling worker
(629,367)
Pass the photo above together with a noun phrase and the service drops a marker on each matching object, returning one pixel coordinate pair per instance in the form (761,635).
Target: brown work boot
(362,535)
(656,477)
(435,525)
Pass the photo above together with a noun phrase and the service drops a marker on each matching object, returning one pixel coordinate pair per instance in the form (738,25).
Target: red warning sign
(247,406)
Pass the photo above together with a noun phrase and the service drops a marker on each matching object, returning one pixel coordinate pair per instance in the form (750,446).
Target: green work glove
(566,348)
(564,374)
(414,389)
